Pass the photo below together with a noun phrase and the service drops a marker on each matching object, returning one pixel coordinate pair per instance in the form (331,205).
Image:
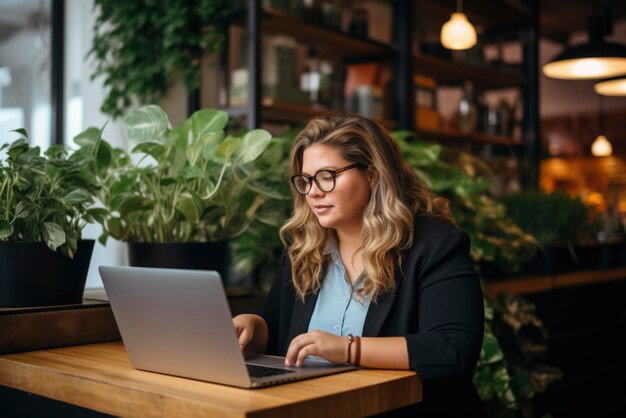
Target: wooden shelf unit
(341,43)
(505,19)
(472,137)
(455,73)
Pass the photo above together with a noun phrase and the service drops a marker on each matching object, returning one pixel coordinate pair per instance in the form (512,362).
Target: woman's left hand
(317,343)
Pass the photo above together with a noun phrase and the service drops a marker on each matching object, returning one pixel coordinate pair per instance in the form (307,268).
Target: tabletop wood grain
(100,377)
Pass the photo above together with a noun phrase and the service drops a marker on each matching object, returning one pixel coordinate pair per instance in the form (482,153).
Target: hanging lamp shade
(601,147)
(612,87)
(458,33)
(594,59)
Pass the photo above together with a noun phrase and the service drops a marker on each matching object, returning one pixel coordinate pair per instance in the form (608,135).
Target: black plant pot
(182,255)
(33,275)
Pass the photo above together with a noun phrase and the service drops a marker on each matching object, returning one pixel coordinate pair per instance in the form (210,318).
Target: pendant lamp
(594,59)
(612,87)
(601,146)
(458,33)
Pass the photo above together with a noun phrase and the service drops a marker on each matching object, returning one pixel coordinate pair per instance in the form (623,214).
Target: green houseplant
(44,205)
(561,224)
(189,184)
(139,47)
(507,375)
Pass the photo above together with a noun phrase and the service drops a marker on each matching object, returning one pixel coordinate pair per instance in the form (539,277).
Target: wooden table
(100,377)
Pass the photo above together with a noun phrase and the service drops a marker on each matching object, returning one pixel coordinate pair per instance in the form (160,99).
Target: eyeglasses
(325,179)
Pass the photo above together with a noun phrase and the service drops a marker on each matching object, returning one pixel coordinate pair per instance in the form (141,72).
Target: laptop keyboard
(263,371)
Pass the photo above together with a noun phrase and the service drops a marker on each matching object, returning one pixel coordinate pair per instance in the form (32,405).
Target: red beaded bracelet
(357,356)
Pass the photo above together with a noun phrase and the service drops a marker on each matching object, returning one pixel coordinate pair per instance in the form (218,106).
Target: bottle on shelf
(359,21)
(331,14)
(316,80)
(468,109)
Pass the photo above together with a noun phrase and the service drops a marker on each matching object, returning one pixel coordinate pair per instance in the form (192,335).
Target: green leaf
(208,121)
(17,147)
(227,147)
(104,155)
(6,229)
(96,214)
(56,151)
(184,135)
(24,209)
(190,172)
(21,131)
(135,204)
(54,235)
(208,151)
(491,351)
(154,149)
(123,184)
(270,214)
(188,206)
(88,137)
(148,123)
(77,196)
(253,145)
(102,239)
(116,228)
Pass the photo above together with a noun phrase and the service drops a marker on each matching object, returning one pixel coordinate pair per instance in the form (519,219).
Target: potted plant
(183,192)
(44,205)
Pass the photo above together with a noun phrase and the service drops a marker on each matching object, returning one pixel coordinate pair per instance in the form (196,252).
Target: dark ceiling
(559,18)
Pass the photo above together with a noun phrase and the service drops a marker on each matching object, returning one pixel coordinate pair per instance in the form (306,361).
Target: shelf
(34,328)
(294,113)
(345,46)
(455,73)
(479,137)
(534,284)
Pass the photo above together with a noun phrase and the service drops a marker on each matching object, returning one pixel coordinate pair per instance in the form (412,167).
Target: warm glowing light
(585,68)
(458,33)
(601,147)
(611,87)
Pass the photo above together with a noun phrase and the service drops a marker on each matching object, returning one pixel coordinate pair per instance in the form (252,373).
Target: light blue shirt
(339,310)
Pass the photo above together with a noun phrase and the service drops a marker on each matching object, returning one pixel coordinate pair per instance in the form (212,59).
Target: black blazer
(437,305)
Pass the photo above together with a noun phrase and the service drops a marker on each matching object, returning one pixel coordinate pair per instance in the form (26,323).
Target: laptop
(178,322)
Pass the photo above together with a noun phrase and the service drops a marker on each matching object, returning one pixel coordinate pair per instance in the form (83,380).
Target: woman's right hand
(251,332)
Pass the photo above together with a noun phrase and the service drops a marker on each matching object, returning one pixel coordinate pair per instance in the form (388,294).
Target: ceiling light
(601,147)
(612,87)
(594,59)
(458,33)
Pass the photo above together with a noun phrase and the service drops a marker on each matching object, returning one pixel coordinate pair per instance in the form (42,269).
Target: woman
(371,253)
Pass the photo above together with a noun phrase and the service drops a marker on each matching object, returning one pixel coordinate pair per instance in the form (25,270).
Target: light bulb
(458,33)
(601,147)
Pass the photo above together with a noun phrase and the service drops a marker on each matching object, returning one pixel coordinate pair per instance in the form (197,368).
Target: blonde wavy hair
(396,198)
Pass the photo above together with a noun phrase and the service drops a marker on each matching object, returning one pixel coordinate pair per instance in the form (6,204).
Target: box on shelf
(426,115)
